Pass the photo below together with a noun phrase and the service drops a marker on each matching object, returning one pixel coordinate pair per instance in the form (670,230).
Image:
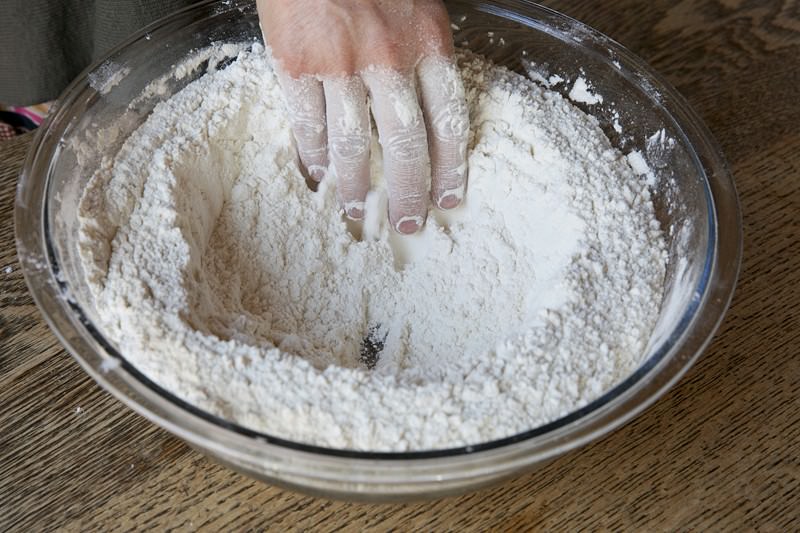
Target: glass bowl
(695,200)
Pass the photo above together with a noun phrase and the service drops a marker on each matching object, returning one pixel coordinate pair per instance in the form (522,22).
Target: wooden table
(721,451)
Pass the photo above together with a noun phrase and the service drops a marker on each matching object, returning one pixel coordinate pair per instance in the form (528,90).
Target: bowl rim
(615,407)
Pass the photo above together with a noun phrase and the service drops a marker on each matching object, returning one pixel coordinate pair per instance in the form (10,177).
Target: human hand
(331,55)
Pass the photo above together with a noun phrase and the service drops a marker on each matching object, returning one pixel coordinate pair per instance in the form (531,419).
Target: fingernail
(409,225)
(449,202)
(316,172)
(450,199)
(354,210)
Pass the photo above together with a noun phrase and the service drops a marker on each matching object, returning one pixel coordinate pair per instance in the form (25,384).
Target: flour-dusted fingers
(305,100)
(348,141)
(447,121)
(401,128)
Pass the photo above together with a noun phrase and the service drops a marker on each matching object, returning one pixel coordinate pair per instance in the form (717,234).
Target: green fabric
(44,44)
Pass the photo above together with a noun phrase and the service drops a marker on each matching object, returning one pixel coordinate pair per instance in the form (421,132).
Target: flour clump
(222,278)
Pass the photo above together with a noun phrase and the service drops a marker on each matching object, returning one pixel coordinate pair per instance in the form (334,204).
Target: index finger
(305,100)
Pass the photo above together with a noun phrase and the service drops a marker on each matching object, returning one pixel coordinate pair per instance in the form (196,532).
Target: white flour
(220,276)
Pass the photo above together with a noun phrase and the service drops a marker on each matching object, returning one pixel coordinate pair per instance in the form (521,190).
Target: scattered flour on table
(220,276)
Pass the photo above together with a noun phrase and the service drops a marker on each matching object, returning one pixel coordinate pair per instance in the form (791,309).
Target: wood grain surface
(721,451)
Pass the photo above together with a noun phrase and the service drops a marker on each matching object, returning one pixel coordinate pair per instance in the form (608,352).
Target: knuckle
(390,54)
(293,65)
(434,23)
(352,185)
(292,60)
(350,148)
(410,202)
(447,112)
(312,153)
(450,122)
(350,190)
(448,166)
(308,129)
(406,145)
(408,195)
(448,177)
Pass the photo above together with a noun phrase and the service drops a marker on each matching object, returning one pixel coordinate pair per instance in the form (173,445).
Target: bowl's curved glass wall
(639,112)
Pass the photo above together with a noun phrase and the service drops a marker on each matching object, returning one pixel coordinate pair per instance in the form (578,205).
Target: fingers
(447,120)
(405,149)
(349,140)
(305,100)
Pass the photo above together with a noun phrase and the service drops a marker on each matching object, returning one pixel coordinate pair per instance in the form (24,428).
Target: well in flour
(223,279)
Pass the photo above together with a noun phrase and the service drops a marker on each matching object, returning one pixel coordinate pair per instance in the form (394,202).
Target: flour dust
(221,277)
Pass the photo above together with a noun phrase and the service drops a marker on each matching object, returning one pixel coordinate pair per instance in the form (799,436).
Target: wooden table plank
(720,451)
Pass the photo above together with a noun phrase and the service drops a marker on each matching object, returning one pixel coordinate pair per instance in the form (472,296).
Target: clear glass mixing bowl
(695,200)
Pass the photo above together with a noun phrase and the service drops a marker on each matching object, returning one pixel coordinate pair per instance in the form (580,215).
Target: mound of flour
(221,277)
